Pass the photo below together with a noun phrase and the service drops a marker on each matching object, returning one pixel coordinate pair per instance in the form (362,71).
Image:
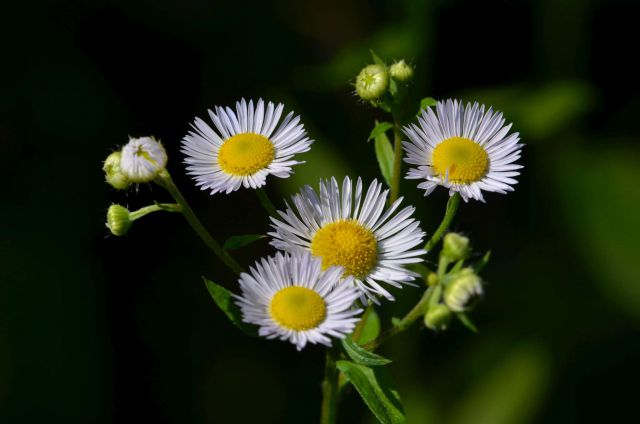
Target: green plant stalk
(169,207)
(164,179)
(450,213)
(397,164)
(330,387)
(357,332)
(266,203)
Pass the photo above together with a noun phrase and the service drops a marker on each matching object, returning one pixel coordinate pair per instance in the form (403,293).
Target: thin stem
(397,164)
(452,207)
(169,207)
(330,388)
(357,332)
(266,203)
(165,180)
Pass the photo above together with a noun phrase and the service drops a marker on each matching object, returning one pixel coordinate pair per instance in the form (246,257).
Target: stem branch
(330,388)
(397,164)
(266,203)
(452,207)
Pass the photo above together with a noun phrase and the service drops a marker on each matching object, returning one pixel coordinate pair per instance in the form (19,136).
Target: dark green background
(99,329)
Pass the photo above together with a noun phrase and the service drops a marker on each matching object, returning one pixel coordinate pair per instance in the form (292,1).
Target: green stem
(169,207)
(266,203)
(357,332)
(452,207)
(164,179)
(397,164)
(330,388)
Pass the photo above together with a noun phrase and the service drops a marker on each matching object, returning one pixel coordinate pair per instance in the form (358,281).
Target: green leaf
(482,262)
(224,300)
(395,321)
(384,154)
(371,328)
(377,59)
(380,128)
(466,321)
(373,386)
(236,242)
(427,102)
(361,355)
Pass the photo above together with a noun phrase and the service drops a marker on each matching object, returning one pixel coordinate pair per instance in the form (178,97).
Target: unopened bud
(455,247)
(401,71)
(118,220)
(112,173)
(437,317)
(143,159)
(432,279)
(372,82)
(464,288)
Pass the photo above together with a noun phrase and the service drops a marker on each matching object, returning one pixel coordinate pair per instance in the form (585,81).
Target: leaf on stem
(466,321)
(380,128)
(482,262)
(427,102)
(376,58)
(384,154)
(224,300)
(371,328)
(375,390)
(236,242)
(361,355)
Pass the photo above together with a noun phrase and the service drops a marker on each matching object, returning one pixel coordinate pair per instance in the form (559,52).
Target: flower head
(372,82)
(401,71)
(118,220)
(249,144)
(465,149)
(291,298)
(464,288)
(112,173)
(353,231)
(142,159)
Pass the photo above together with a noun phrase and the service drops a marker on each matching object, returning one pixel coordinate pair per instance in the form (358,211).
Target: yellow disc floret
(298,308)
(348,244)
(245,154)
(464,160)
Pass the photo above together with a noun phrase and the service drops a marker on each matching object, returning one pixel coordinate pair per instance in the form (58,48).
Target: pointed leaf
(482,262)
(384,154)
(376,58)
(380,128)
(236,242)
(224,300)
(361,355)
(427,102)
(371,328)
(466,321)
(374,388)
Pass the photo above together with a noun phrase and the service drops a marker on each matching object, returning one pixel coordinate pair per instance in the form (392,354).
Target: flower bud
(462,290)
(437,317)
(401,71)
(118,220)
(432,279)
(372,82)
(455,247)
(112,173)
(143,159)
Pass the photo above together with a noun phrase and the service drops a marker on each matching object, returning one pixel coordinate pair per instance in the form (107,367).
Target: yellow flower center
(298,308)
(465,160)
(348,244)
(245,154)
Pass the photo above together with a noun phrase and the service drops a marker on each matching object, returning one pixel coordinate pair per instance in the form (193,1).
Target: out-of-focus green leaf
(361,355)
(376,58)
(380,128)
(479,266)
(375,390)
(427,102)
(509,393)
(236,242)
(466,321)
(384,154)
(371,328)
(421,269)
(224,300)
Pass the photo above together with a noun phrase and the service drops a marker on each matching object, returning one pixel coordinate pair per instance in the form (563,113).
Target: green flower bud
(455,247)
(432,279)
(437,317)
(462,290)
(118,220)
(372,82)
(112,173)
(401,71)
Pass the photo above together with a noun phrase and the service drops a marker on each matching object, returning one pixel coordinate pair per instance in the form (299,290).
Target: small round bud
(464,288)
(432,279)
(455,247)
(372,82)
(401,71)
(112,173)
(437,317)
(143,159)
(118,220)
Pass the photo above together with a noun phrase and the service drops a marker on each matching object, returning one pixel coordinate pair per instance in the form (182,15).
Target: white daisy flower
(464,149)
(142,159)
(345,230)
(291,298)
(245,148)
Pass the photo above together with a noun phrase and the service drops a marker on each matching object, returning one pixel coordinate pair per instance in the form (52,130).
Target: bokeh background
(99,329)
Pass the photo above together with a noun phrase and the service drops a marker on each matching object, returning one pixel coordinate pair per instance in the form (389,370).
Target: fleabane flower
(291,298)
(246,146)
(465,149)
(370,243)
(142,159)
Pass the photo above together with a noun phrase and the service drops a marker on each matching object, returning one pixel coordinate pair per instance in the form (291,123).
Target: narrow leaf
(375,390)
(384,154)
(361,355)
(376,59)
(482,262)
(380,128)
(427,102)
(371,328)
(236,242)
(466,321)
(224,300)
